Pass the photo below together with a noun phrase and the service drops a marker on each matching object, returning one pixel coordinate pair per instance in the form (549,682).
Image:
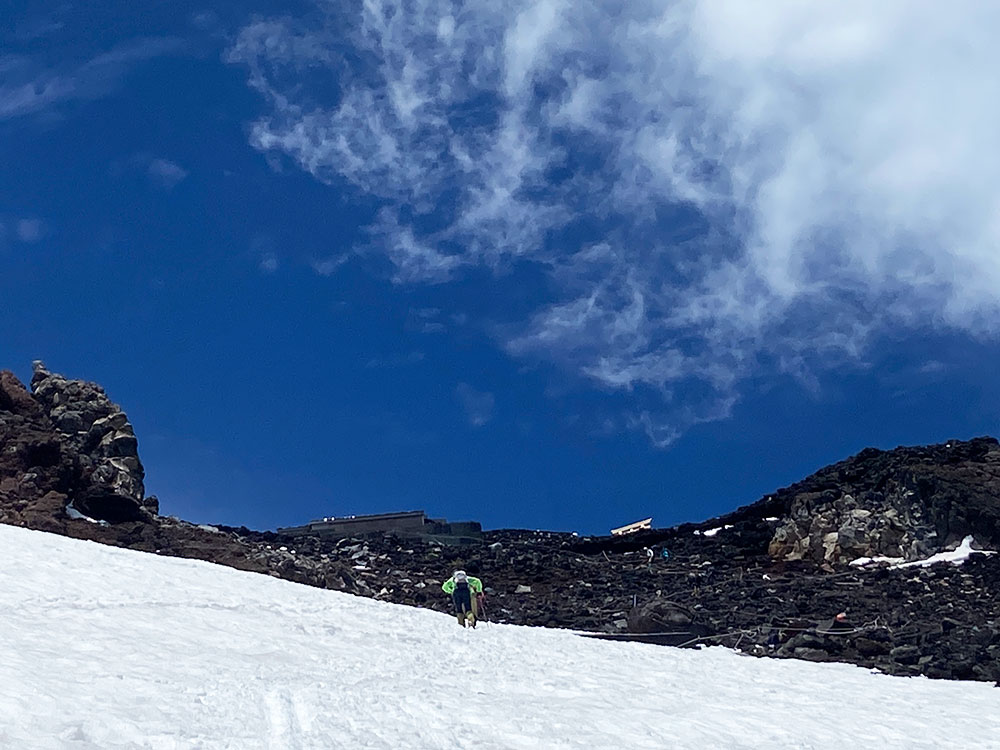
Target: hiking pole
(483,611)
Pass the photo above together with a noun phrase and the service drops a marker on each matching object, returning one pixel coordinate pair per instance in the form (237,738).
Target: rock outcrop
(100,434)
(905,504)
(67,449)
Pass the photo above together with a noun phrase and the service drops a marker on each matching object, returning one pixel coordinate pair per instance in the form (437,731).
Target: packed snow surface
(713,532)
(108,648)
(956,557)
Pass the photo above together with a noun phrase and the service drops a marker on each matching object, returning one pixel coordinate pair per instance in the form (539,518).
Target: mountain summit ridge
(762,578)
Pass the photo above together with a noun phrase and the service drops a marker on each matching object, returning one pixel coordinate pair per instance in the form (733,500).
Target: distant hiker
(465,591)
(773,639)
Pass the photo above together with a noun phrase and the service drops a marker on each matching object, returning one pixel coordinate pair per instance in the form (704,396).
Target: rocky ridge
(767,578)
(905,504)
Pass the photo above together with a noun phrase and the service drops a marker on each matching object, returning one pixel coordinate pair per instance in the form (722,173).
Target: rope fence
(755,632)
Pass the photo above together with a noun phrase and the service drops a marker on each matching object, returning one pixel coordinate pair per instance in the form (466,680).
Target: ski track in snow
(108,648)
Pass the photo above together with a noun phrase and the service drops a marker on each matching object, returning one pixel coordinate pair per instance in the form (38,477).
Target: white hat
(460,575)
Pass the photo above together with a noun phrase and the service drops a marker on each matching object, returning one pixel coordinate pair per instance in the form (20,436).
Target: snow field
(109,648)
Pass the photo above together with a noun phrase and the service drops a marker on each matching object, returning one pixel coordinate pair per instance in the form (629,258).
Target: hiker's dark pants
(464,607)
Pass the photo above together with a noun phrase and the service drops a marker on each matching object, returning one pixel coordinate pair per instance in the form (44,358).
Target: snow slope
(108,648)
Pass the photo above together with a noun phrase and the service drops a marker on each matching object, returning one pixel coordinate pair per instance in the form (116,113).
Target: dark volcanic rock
(661,615)
(65,449)
(97,430)
(14,399)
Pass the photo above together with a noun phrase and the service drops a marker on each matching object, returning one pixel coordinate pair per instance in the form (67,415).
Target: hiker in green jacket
(464,590)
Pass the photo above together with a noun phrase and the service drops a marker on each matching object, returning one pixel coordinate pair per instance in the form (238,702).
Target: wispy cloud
(414,258)
(933,367)
(329,266)
(29,87)
(206,20)
(478,405)
(37,28)
(165,173)
(30,230)
(392,361)
(262,248)
(27,230)
(268,263)
(718,190)
(425,320)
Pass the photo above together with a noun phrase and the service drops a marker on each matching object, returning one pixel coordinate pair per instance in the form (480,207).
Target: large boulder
(66,450)
(96,428)
(661,615)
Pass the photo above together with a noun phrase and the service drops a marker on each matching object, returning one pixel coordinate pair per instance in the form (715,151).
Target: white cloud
(268,263)
(205,20)
(262,247)
(30,230)
(415,259)
(166,173)
(329,266)
(27,230)
(478,405)
(765,187)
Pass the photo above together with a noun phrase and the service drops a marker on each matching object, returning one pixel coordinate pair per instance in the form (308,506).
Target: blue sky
(539,264)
